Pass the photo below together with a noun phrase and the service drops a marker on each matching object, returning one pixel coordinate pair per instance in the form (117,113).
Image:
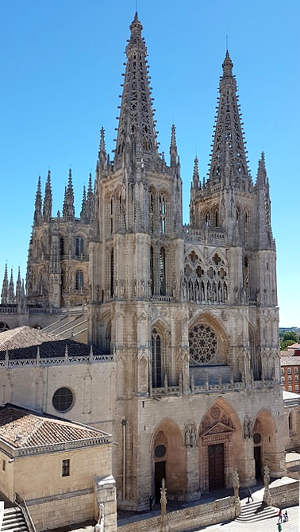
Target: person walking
(279,527)
(249,494)
(280,516)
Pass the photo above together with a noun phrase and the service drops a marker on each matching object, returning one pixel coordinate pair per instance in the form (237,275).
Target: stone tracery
(205,282)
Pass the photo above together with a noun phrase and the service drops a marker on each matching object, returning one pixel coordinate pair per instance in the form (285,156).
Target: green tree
(290,335)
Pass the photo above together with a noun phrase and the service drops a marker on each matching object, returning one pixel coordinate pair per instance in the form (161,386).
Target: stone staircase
(256,511)
(14,520)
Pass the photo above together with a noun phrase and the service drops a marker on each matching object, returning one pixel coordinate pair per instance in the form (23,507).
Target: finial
(227,65)
(196,173)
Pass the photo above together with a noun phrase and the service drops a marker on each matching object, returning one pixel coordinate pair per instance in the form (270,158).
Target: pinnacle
(227,65)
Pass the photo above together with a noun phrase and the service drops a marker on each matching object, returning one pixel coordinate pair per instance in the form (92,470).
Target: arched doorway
(220,445)
(169,461)
(264,444)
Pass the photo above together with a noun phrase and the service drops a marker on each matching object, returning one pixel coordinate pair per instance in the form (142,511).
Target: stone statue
(99,527)
(247,427)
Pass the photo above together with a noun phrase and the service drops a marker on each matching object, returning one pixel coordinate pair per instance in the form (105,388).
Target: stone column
(192,472)
(105,491)
(267,495)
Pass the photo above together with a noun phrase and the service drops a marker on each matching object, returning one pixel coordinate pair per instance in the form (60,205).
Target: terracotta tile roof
(22,428)
(22,343)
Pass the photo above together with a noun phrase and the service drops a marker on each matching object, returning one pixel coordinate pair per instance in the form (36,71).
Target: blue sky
(61,65)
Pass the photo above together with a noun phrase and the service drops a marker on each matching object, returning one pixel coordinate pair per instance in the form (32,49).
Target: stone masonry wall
(188,518)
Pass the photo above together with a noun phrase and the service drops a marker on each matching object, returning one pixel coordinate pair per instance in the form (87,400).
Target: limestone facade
(188,312)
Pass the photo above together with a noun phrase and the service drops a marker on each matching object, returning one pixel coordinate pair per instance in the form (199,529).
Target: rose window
(203,345)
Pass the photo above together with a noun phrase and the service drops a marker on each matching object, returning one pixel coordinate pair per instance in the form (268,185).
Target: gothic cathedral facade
(188,311)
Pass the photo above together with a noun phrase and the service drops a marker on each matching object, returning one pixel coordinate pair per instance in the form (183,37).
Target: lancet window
(79,246)
(205,282)
(79,280)
(152,270)
(156,359)
(112,280)
(162,272)
(111,216)
(163,214)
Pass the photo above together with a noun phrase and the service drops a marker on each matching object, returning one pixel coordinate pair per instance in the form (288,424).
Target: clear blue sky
(60,68)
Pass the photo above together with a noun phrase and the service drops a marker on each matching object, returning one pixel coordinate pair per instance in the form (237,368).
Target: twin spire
(228,134)
(43,209)
(136,139)
(8,294)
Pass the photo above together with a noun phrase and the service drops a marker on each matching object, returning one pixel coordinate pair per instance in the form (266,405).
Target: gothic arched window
(151,208)
(152,270)
(62,246)
(255,357)
(156,359)
(79,246)
(79,280)
(163,214)
(162,272)
(111,216)
(112,273)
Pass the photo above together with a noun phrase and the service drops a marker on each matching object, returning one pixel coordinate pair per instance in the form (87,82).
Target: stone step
(256,511)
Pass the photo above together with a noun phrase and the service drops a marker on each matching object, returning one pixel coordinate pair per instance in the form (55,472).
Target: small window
(296,370)
(3,465)
(65,470)
(282,380)
(79,280)
(290,389)
(289,371)
(63,399)
(79,246)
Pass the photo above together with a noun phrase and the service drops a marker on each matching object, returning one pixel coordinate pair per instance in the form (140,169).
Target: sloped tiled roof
(22,343)
(24,429)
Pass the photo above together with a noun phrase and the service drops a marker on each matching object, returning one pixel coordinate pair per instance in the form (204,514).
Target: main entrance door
(159,474)
(257,458)
(216,466)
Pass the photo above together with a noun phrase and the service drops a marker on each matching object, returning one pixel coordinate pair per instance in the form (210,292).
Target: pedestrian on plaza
(151,498)
(279,527)
(280,516)
(285,516)
(249,494)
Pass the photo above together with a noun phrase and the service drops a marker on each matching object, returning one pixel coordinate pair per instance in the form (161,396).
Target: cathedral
(186,315)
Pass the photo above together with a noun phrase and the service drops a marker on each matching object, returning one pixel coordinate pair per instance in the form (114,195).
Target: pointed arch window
(79,246)
(162,272)
(111,216)
(163,214)
(152,270)
(156,359)
(79,280)
(112,273)
(151,212)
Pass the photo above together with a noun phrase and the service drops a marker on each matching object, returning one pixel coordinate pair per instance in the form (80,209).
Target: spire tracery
(228,132)
(136,137)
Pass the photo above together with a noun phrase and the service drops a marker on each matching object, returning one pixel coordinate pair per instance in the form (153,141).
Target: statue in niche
(248,427)
(190,436)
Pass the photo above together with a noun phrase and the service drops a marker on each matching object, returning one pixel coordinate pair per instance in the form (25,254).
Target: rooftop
(290,360)
(27,430)
(22,343)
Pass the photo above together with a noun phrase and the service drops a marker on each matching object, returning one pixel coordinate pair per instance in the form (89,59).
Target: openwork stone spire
(4,292)
(38,203)
(136,138)
(196,183)
(228,131)
(68,207)
(173,148)
(47,208)
(11,288)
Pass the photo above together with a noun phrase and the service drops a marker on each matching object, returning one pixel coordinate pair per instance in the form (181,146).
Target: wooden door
(216,466)
(257,458)
(160,473)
